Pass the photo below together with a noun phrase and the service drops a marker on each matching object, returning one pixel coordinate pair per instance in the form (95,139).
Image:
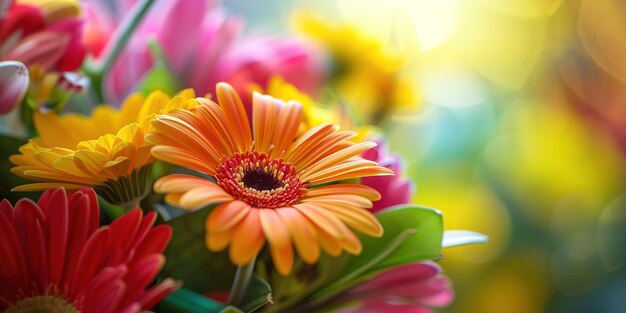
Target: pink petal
(44,48)
(179,46)
(14,82)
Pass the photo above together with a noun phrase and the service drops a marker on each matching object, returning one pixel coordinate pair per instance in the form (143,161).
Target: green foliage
(412,234)
(201,270)
(9,146)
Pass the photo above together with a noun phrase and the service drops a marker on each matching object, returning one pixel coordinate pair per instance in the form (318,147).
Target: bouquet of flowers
(188,166)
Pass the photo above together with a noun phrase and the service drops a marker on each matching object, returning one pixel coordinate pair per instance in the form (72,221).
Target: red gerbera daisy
(55,258)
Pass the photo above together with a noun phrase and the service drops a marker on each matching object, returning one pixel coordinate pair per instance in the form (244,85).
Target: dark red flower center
(260,181)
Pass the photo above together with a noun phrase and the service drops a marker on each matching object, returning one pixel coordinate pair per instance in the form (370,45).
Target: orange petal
(282,258)
(289,119)
(181,157)
(329,145)
(356,218)
(347,170)
(274,228)
(217,241)
(235,116)
(337,158)
(302,233)
(339,189)
(227,215)
(345,199)
(320,219)
(330,244)
(180,183)
(302,145)
(202,196)
(278,239)
(247,239)
(350,242)
(263,121)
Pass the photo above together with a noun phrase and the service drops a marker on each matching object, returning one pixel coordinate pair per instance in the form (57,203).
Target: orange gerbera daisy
(269,181)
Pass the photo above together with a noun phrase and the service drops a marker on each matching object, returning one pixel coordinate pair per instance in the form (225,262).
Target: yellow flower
(106,151)
(268,179)
(372,80)
(55,10)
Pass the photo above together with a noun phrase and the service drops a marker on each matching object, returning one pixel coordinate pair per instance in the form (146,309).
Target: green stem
(135,203)
(99,70)
(241,282)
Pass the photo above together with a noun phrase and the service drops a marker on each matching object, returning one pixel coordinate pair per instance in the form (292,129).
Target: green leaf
(201,270)
(412,234)
(188,258)
(8,146)
(161,77)
(258,294)
(187,301)
(231,309)
(455,238)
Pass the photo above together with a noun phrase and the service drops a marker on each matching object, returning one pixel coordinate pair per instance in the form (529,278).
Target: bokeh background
(520,134)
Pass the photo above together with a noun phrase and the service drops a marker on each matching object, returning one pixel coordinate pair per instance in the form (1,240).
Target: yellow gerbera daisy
(106,151)
(273,185)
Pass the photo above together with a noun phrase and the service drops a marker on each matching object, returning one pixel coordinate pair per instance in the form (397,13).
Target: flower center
(262,182)
(42,304)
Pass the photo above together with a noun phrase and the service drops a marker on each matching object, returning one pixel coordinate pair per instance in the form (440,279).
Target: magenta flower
(53,42)
(395,189)
(411,288)
(13,83)
(206,52)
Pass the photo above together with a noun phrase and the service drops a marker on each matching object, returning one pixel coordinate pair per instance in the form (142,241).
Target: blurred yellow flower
(372,80)
(55,10)
(106,151)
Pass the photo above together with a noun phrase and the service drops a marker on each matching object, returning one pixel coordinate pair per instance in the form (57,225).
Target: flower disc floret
(257,179)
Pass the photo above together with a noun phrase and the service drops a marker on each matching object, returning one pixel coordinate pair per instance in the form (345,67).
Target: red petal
(76,50)
(90,258)
(78,232)
(25,18)
(103,278)
(133,308)
(28,221)
(123,229)
(106,299)
(157,293)
(140,275)
(7,209)
(155,242)
(146,224)
(93,208)
(56,212)
(12,271)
